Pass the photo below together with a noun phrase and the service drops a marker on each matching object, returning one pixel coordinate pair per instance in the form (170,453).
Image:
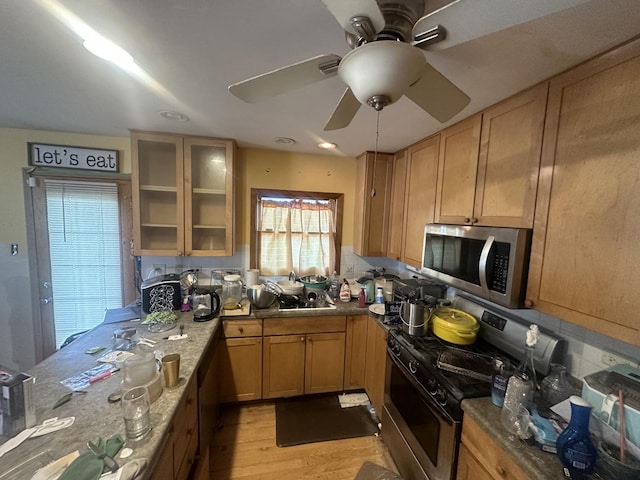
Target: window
(84,241)
(295,231)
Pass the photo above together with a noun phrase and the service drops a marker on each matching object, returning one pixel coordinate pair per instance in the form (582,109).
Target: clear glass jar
(231,292)
(555,387)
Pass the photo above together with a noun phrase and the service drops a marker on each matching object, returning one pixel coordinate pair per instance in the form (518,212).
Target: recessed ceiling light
(174,116)
(284,140)
(327,145)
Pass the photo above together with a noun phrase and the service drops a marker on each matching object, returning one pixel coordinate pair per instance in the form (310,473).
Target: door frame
(38,249)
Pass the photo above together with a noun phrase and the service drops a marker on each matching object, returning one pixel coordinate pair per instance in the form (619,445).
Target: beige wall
(13,157)
(258,168)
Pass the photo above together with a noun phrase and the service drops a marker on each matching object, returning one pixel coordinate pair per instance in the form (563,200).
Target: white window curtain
(84,241)
(297,235)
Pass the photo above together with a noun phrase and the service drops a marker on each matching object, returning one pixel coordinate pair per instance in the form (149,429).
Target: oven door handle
(484,259)
(422,391)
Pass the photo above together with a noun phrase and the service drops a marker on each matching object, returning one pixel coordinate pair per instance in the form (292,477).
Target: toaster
(161,293)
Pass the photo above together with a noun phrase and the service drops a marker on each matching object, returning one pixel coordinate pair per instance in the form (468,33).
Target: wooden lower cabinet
(481,458)
(179,453)
(303,355)
(355,360)
(376,360)
(283,360)
(241,361)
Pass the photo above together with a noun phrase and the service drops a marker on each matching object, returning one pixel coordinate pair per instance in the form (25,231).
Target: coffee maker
(205,305)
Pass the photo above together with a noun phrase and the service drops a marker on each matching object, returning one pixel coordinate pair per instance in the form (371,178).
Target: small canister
(231,292)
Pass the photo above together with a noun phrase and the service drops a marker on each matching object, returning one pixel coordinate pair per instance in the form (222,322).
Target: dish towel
(89,467)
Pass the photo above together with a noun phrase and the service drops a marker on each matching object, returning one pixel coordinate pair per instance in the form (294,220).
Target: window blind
(84,242)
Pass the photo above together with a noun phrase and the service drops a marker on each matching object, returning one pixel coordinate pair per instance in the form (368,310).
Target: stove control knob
(413,366)
(394,347)
(432,386)
(441,396)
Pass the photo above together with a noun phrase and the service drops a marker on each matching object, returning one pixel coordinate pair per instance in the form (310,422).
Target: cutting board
(238,312)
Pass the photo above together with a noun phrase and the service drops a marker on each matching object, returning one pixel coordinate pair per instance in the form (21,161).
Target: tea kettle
(205,305)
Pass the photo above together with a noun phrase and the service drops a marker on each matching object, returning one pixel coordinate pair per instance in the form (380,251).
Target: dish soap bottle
(345,291)
(522,383)
(574,445)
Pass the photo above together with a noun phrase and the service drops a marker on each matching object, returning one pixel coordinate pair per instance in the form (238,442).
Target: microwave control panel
(499,271)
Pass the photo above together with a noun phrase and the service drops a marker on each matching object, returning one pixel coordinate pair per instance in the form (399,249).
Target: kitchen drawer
(303,325)
(498,463)
(189,459)
(185,426)
(242,328)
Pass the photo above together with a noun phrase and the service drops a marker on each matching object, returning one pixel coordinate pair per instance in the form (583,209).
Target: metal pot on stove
(415,314)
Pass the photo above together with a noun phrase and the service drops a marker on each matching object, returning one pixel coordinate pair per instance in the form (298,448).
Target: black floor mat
(318,418)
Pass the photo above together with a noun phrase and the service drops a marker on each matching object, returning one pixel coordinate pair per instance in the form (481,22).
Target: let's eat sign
(64,156)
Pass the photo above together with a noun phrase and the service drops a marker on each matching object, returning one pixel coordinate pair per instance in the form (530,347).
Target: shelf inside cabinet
(159,188)
(159,225)
(209,191)
(211,227)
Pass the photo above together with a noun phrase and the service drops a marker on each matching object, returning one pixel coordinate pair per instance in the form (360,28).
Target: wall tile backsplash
(587,352)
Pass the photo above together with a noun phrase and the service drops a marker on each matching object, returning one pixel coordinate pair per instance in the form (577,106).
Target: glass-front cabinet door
(183,194)
(157,179)
(208,196)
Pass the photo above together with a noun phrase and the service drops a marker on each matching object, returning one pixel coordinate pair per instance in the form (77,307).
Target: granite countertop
(534,462)
(94,416)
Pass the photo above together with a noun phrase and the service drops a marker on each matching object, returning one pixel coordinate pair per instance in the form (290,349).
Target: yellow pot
(454,326)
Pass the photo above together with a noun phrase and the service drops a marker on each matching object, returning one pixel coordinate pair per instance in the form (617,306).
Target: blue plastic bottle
(574,445)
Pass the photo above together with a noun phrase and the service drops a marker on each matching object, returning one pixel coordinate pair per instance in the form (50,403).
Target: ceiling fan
(386,61)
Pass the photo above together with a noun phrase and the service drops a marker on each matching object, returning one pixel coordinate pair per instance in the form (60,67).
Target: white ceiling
(193,49)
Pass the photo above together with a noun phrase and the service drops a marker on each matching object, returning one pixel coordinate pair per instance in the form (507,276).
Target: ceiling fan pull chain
(375,155)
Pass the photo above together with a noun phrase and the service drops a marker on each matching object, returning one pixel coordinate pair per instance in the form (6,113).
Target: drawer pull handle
(241,330)
(501,471)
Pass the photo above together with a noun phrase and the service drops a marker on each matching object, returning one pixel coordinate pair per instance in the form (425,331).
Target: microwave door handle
(484,258)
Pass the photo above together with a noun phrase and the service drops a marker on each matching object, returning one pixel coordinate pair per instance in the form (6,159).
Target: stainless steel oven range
(422,414)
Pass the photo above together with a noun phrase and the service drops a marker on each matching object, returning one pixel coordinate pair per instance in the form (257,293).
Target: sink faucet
(292,276)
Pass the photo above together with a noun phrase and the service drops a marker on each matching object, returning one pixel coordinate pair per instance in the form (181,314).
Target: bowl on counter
(260,297)
(319,282)
(291,287)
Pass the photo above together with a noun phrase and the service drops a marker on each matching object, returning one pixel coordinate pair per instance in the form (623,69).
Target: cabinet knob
(474,220)
(309,339)
(501,471)
(467,220)
(302,339)
(528,303)
(240,329)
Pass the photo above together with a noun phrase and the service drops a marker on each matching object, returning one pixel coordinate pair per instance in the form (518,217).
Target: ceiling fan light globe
(383,68)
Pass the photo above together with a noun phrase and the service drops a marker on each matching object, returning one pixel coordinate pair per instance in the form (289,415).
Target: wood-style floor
(245,448)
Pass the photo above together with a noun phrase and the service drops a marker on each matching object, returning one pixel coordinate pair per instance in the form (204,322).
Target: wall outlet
(348,269)
(609,358)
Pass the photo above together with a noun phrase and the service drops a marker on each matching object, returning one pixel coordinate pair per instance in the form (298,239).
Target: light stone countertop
(94,417)
(534,462)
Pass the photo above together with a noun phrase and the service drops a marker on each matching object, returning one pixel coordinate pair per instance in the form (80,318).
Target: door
(324,363)
(79,229)
(420,197)
(283,366)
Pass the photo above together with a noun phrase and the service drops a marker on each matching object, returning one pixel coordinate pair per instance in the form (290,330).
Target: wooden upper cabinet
(585,256)
(509,160)
(374,172)
(157,174)
(183,192)
(457,171)
(396,208)
(489,164)
(420,197)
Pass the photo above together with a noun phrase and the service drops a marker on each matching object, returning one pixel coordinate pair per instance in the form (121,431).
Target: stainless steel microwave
(489,262)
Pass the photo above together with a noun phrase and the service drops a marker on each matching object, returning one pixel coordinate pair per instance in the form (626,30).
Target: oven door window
(420,419)
(460,258)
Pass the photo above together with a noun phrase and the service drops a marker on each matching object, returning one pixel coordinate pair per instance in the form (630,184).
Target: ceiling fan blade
(286,79)
(436,95)
(344,112)
(344,11)
(466,20)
